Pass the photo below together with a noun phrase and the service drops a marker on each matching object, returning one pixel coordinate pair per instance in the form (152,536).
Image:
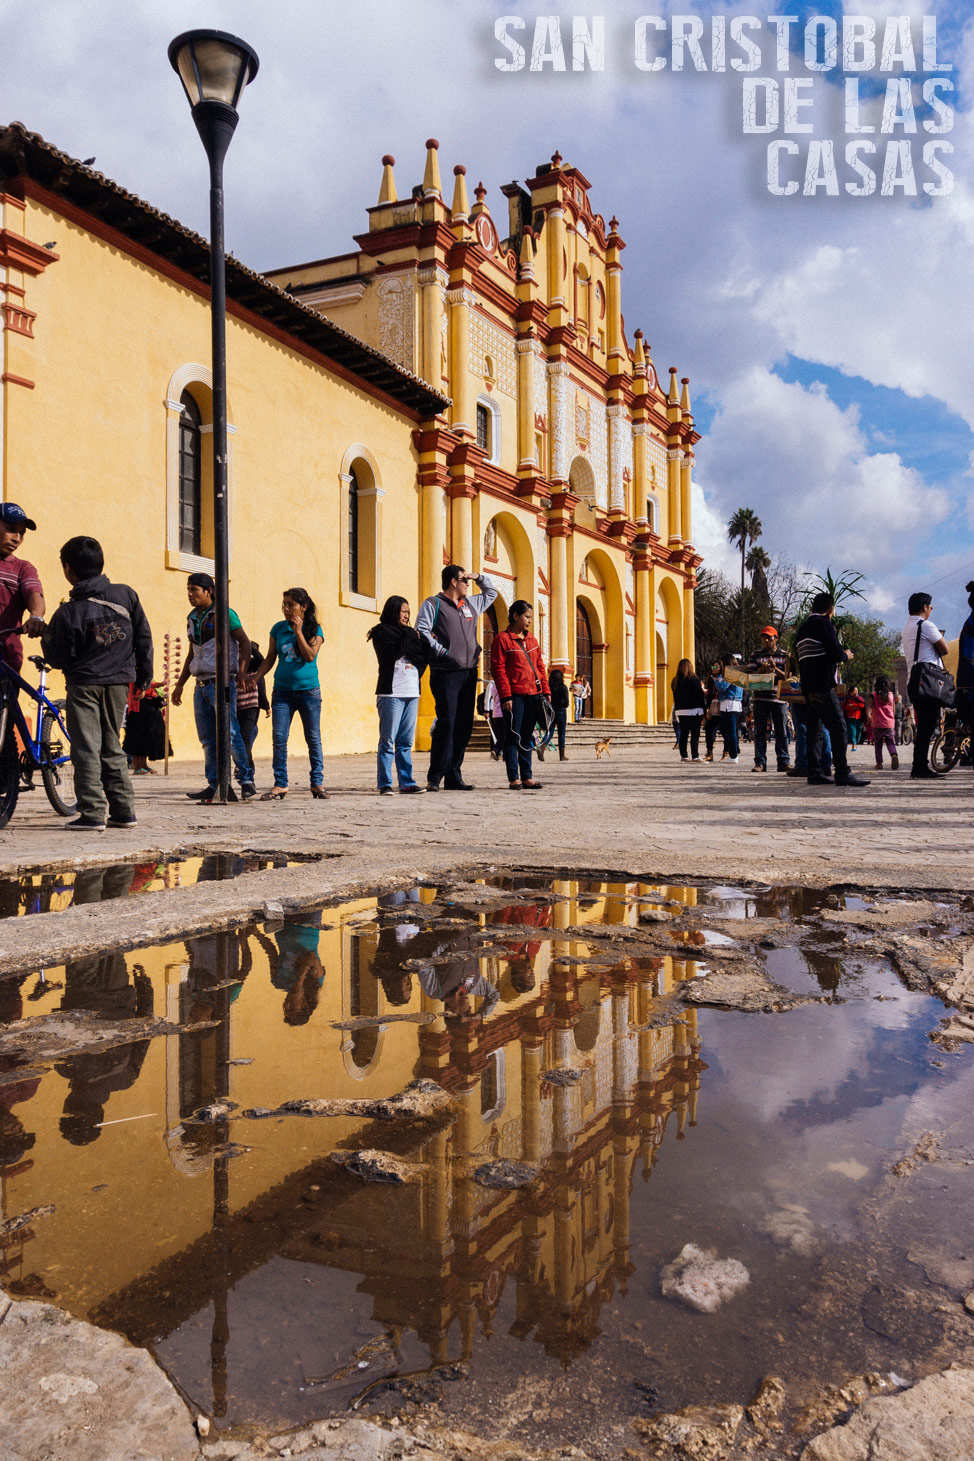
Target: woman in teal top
(294,644)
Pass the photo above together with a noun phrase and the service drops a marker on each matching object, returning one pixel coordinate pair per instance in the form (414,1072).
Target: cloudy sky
(828,338)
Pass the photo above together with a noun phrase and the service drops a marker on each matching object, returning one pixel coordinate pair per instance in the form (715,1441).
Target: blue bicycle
(23,752)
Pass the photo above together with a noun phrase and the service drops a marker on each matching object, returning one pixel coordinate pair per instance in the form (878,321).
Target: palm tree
(758,561)
(743,528)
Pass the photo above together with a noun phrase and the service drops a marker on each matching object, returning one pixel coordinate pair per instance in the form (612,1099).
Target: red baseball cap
(769,629)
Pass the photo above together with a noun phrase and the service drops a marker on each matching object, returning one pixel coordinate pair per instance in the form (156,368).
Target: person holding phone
(448,620)
(294,644)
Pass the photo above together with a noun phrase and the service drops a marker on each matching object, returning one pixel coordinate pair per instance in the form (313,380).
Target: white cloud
(710,534)
(811,477)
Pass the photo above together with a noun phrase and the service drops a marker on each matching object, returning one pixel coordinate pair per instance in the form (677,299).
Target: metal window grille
(483,428)
(190,476)
(353,538)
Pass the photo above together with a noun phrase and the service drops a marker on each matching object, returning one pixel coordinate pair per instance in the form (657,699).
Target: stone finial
(613,224)
(432,184)
(556,160)
(673,399)
(685,395)
(461,203)
(639,354)
(526,256)
(387,188)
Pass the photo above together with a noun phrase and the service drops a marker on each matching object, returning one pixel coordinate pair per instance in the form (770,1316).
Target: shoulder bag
(930,681)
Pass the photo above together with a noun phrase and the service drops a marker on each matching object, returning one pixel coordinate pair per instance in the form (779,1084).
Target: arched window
(190,476)
(353,533)
(489,428)
(188,403)
(360,529)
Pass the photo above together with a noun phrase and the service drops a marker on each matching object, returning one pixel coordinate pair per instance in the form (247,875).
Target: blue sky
(829,340)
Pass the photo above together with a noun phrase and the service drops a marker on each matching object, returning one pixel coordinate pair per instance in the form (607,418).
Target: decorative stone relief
(490,540)
(560,404)
(397,319)
(542,545)
(540,381)
(598,451)
(617,454)
(487,339)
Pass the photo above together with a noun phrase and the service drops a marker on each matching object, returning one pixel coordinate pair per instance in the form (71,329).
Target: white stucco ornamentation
(397,319)
(486,339)
(561,443)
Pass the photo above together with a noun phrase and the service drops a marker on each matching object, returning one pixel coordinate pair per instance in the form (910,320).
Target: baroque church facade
(563,467)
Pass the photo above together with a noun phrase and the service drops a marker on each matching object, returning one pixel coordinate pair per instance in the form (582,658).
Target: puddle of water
(50,892)
(275,1286)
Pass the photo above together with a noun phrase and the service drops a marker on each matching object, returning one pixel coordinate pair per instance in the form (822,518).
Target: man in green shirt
(201,662)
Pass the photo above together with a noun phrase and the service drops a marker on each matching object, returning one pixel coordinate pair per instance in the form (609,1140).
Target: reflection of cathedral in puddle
(437,1255)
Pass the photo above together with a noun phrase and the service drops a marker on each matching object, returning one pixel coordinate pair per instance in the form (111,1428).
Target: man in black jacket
(101,640)
(818,651)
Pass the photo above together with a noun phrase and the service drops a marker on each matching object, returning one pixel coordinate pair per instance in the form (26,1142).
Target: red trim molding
(16,380)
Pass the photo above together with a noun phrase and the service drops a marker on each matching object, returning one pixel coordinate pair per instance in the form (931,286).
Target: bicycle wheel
(57,775)
(908,735)
(9,777)
(946,748)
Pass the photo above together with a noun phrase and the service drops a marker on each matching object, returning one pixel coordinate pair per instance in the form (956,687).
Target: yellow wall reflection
(154,1220)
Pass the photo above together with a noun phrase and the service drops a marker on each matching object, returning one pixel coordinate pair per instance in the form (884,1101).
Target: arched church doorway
(488,629)
(583,649)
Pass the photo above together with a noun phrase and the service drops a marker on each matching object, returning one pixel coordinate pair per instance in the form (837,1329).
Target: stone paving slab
(640,813)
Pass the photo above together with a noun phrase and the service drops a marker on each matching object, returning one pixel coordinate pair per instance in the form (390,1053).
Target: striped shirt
(818,651)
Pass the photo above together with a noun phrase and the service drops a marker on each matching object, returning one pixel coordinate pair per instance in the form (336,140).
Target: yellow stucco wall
(85,452)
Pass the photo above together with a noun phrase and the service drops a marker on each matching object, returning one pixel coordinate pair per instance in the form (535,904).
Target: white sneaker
(734,760)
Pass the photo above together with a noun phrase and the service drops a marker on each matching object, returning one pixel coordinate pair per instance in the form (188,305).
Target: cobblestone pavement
(640,812)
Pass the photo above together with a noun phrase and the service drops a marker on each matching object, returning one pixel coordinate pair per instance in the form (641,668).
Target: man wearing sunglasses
(448,621)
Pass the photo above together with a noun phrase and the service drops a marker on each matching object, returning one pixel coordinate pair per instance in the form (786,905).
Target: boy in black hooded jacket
(101,640)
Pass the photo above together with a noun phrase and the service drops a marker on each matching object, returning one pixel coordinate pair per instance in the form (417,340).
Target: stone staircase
(586,732)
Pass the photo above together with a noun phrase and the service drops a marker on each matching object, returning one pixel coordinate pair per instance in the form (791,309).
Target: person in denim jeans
(403,655)
(201,663)
(294,644)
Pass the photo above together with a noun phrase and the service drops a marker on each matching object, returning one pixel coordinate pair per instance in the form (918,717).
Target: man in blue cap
(20,586)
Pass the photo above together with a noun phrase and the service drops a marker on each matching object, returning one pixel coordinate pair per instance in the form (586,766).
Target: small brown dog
(602,746)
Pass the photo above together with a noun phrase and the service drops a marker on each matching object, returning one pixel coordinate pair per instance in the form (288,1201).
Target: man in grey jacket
(448,621)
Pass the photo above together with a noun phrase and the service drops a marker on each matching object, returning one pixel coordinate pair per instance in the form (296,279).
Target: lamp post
(214,68)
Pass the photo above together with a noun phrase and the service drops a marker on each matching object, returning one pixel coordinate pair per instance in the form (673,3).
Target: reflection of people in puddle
(520,974)
(457,983)
(296,966)
(101,884)
(391,949)
(15,1140)
(104,985)
(11,1000)
(526,916)
(210,966)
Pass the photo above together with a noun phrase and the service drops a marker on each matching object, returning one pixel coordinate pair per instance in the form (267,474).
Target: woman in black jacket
(403,655)
(559,704)
(689,704)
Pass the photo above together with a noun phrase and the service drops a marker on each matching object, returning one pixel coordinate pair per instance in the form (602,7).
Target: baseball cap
(14,516)
(769,629)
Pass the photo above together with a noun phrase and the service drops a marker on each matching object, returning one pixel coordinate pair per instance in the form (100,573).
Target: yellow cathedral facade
(459,387)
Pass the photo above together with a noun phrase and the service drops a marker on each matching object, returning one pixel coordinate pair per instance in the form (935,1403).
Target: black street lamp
(214,68)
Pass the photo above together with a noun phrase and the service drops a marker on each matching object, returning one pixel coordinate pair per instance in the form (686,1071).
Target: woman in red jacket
(519,675)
